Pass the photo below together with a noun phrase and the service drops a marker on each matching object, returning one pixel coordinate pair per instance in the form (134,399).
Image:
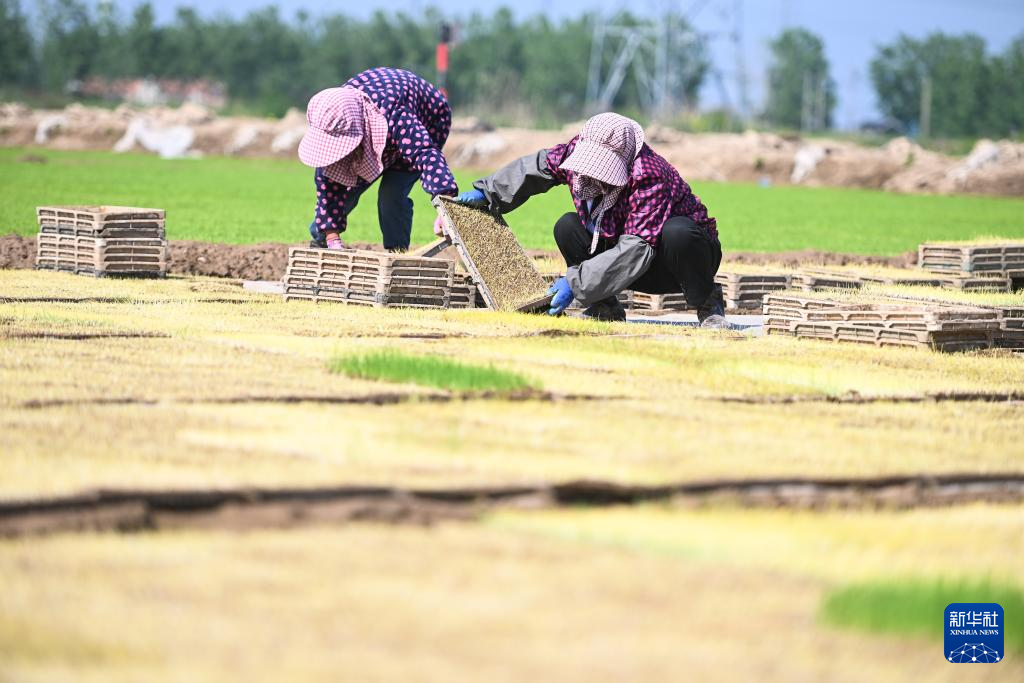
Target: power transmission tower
(806,103)
(654,53)
(852,98)
(642,48)
(814,102)
(821,103)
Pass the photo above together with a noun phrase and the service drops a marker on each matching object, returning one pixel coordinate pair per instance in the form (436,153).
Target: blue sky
(850,29)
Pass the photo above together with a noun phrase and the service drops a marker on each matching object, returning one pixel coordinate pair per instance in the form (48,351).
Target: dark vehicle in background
(883,127)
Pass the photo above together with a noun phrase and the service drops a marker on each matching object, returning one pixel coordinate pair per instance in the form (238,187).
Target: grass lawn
(265,200)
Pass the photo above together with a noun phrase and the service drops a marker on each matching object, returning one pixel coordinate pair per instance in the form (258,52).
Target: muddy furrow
(83,336)
(396,398)
(379,399)
(861,399)
(64,300)
(237,301)
(140,510)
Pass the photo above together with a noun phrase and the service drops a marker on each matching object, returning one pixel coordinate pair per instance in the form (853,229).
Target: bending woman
(383,123)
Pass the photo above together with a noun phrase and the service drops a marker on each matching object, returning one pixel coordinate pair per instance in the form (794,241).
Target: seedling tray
(971,258)
(368,278)
(102,221)
(980,284)
(656,303)
(814,281)
(504,274)
(82,254)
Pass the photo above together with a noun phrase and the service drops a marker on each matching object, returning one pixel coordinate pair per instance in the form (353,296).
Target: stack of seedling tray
(971,257)
(465,293)
(883,323)
(816,280)
(747,290)
(783,309)
(102,240)
(984,282)
(1010,308)
(1011,331)
(369,278)
(854,277)
(989,266)
(901,276)
(659,303)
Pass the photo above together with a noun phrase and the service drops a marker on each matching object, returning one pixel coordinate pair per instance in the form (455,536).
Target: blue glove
(563,296)
(472,198)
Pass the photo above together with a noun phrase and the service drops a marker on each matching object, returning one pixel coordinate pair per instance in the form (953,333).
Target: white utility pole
(742,84)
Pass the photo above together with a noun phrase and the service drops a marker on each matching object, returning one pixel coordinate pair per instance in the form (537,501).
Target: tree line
(962,90)
(535,66)
(531,69)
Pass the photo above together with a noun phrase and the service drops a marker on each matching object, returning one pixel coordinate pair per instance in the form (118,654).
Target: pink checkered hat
(336,126)
(606,149)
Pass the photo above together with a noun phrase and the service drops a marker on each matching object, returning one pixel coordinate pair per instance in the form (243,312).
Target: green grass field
(266,200)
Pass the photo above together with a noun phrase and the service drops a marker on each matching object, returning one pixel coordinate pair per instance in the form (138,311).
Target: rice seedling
(915,606)
(429,371)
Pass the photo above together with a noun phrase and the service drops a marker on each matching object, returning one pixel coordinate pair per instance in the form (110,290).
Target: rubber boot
(711,313)
(608,310)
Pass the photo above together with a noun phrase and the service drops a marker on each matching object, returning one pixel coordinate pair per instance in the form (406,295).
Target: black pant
(686,259)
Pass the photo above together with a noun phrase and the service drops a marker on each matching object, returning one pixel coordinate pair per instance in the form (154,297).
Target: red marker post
(445,38)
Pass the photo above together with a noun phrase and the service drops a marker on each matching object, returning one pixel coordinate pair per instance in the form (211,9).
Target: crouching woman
(637,224)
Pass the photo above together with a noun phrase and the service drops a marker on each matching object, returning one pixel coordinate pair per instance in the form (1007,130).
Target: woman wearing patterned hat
(383,123)
(637,224)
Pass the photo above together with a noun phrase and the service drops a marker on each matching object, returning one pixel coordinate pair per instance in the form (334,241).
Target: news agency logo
(974,633)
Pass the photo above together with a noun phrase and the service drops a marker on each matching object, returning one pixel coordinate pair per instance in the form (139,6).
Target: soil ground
(233,509)
(628,594)
(268,261)
(233,382)
(193,384)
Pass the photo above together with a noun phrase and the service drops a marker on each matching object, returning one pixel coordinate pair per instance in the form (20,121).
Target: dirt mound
(991,168)
(266,261)
(17,251)
(995,168)
(248,262)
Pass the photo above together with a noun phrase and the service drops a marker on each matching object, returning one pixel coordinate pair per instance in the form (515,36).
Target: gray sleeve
(510,186)
(611,271)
